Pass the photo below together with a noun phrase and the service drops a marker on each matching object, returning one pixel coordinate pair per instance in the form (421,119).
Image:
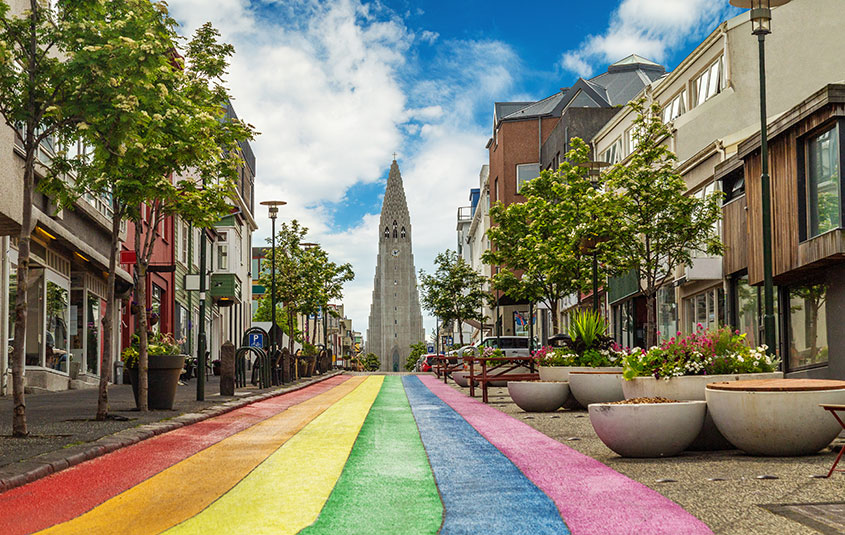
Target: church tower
(395,317)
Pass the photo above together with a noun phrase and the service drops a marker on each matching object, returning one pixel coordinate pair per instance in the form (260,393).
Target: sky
(336,87)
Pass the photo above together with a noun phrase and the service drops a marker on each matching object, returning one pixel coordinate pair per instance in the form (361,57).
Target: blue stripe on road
(481,489)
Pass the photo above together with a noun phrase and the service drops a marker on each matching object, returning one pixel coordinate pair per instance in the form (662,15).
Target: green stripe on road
(387,485)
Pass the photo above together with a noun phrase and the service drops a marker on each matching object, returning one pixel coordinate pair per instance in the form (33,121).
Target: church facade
(395,317)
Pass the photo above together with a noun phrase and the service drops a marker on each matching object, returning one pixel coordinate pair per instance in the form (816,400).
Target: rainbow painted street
(349,455)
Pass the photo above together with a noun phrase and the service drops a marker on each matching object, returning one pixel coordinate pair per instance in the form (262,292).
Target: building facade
(395,320)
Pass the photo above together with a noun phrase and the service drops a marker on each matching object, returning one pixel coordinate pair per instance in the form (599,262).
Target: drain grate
(827,518)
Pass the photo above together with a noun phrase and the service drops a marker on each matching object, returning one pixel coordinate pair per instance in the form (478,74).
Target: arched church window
(394,228)
(402,234)
(386,232)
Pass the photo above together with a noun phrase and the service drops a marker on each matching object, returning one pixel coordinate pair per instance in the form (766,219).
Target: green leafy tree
(539,244)
(659,227)
(417,350)
(454,292)
(371,362)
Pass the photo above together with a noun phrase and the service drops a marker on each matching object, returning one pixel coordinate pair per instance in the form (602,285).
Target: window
(157,298)
(613,153)
(705,310)
(709,83)
(823,188)
(704,193)
(526,172)
(733,186)
(402,232)
(222,257)
(667,313)
(808,325)
(184,242)
(386,232)
(675,107)
(631,139)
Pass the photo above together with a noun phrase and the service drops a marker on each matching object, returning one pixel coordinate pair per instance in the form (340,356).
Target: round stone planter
(691,388)
(461,378)
(538,396)
(596,386)
(163,373)
(561,373)
(776,417)
(648,429)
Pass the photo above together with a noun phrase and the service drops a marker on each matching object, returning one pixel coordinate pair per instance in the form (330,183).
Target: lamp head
(761,13)
(273,207)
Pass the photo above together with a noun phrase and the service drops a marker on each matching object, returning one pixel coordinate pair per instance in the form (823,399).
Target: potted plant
(681,367)
(165,367)
(538,396)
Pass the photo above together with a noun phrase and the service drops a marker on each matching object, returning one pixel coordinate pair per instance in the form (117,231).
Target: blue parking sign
(256,340)
(430,348)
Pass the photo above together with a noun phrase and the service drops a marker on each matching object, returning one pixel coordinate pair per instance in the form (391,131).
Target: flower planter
(648,429)
(561,373)
(163,373)
(776,417)
(538,396)
(691,388)
(461,379)
(596,386)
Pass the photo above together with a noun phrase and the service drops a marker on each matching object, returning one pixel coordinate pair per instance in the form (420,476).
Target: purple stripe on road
(592,498)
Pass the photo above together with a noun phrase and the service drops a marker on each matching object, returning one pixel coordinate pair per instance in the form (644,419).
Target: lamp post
(761,24)
(589,244)
(273,207)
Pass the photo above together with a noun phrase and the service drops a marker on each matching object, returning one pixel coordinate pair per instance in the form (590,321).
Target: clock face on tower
(395,252)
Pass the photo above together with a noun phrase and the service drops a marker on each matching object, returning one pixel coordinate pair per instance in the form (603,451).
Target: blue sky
(336,87)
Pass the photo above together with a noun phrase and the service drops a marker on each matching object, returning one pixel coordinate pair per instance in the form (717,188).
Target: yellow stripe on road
(287,492)
(186,488)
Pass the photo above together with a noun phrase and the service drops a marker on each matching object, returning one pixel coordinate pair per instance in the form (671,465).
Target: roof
(622,82)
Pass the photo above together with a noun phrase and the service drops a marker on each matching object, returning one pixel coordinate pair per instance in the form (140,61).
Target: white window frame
(613,153)
(675,107)
(520,182)
(705,86)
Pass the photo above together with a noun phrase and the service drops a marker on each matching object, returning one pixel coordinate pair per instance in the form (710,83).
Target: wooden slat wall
(783,162)
(735,231)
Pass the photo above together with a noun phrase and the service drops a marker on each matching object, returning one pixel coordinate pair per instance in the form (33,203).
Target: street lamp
(761,24)
(590,243)
(273,207)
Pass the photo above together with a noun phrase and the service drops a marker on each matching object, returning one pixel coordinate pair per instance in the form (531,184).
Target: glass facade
(705,310)
(807,325)
(823,188)
(667,313)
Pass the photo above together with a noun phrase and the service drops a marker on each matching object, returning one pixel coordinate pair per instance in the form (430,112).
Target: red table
(833,409)
(499,371)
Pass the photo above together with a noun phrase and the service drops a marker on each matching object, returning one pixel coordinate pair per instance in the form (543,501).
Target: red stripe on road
(69,493)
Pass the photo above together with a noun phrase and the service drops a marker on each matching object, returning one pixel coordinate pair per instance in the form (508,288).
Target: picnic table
(498,369)
(443,367)
(833,410)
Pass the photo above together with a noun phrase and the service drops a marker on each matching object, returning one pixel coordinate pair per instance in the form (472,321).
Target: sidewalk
(63,431)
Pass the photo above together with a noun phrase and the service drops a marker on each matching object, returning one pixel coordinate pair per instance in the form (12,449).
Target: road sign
(256,340)
(429,348)
(448,340)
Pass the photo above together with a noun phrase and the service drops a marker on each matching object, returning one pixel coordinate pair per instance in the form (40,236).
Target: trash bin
(118,372)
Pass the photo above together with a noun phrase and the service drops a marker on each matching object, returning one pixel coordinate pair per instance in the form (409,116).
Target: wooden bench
(500,371)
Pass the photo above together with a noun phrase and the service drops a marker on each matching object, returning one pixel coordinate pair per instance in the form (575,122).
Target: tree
(305,278)
(371,362)
(50,74)
(417,350)
(454,291)
(538,243)
(659,227)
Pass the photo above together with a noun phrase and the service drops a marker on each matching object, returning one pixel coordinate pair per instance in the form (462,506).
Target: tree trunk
(19,428)
(460,331)
(105,375)
(553,310)
(141,320)
(651,325)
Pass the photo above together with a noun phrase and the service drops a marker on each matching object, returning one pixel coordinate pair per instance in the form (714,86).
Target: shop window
(747,310)
(807,325)
(156,299)
(667,313)
(705,309)
(35,335)
(824,205)
(56,351)
(93,351)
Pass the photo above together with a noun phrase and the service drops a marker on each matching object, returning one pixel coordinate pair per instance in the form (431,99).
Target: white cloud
(330,87)
(650,28)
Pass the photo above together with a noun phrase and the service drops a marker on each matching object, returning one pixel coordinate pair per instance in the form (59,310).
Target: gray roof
(622,82)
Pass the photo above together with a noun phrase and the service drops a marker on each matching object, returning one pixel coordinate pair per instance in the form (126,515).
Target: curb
(27,471)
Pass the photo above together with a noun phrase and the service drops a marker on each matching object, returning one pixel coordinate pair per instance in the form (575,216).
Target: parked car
(428,361)
(511,345)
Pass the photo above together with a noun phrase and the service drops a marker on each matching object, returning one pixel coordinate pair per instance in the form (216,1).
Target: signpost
(256,340)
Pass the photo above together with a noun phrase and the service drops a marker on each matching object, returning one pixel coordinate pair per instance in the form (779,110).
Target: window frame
(803,167)
(705,75)
(519,182)
(681,99)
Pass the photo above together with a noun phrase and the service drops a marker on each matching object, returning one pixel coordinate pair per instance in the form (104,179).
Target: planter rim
(672,403)
(716,376)
(774,386)
(596,372)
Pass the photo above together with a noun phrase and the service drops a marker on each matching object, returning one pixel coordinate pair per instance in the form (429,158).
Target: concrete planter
(691,388)
(538,396)
(776,423)
(561,373)
(461,378)
(649,429)
(596,386)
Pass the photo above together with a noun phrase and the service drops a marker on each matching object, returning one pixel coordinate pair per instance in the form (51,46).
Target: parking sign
(429,348)
(256,340)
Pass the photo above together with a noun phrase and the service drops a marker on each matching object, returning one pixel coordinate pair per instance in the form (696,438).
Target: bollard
(227,369)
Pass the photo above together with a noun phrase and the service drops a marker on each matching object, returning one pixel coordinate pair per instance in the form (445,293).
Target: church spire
(395,206)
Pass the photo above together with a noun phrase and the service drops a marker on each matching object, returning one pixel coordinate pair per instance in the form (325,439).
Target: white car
(516,346)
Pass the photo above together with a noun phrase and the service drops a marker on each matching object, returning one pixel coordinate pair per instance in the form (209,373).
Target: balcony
(225,289)
(464,214)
